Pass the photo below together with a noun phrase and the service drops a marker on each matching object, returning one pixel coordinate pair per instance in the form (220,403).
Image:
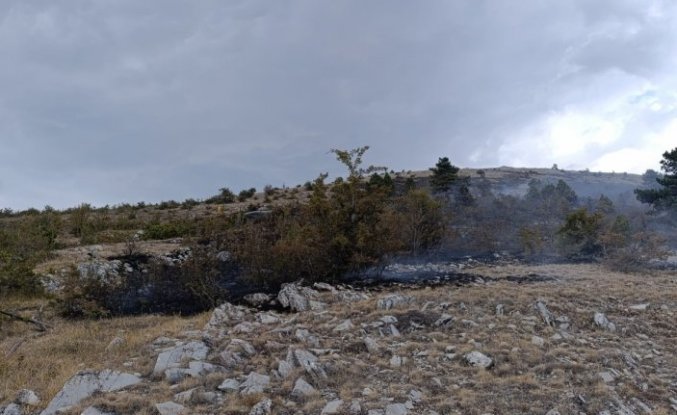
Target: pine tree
(664,197)
(444,175)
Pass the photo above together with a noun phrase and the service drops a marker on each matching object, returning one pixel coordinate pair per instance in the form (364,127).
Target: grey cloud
(128,100)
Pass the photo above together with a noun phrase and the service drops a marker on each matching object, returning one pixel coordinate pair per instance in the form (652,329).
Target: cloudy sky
(107,101)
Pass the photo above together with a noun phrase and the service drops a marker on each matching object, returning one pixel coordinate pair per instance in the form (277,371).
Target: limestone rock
(257,299)
(603,322)
(195,350)
(229,385)
(27,397)
(91,410)
(396,409)
(391,301)
(299,298)
(262,408)
(11,409)
(254,383)
(478,359)
(302,389)
(546,315)
(332,407)
(170,408)
(85,384)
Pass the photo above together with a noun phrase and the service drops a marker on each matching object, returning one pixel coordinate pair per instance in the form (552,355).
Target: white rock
(262,408)
(355,407)
(310,364)
(27,397)
(372,345)
(604,323)
(478,359)
(85,384)
(170,408)
(333,407)
(538,341)
(254,383)
(639,307)
(395,361)
(11,409)
(195,350)
(298,298)
(115,343)
(552,412)
(391,301)
(607,377)
(344,326)
(91,410)
(396,409)
(302,389)
(229,385)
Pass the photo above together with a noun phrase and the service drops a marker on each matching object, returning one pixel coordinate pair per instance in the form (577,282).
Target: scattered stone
(284,368)
(302,389)
(333,407)
(85,384)
(396,409)
(445,320)
(355,407)
(91,410)
(415,396)
(639,307)
(546,315)
(552,412)
(345,326)
(257,299)
(538,341)
(267,318)
(255,383)
(170,408)
(310,364)
(391,301)
(604,323)
(478,359)
(395,361)
(11,409)
(299,298)
(607,377)
(115,343)
(195,350)
(27,397)
(262,408)
(372,345)
(224,315)
(229,385)
(499,309)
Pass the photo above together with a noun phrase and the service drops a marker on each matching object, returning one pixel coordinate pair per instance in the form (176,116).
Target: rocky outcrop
(299,298)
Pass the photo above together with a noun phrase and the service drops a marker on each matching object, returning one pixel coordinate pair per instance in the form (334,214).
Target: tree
(444,175)
(664,197)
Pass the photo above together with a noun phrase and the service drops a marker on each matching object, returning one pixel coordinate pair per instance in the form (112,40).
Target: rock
(255,383)
(229,385)
(499,309)
(395,361)
(350,296)
(415,396)
(224,315)
(224,256)
(257,299)
(604,323)
(85,384)
(11,409)
(607,377)
(478,359)
(639,307)
(445,320)
(195,350)
(91,410)
(546,315)
(345,326)
(267,318)
(170,408)
(538,341)
(310,364)
(185,396)
(323,286)
(302,389)
(195,369)
(355,407)
(262,408)
(391,301)
(552,412)
(376,412)
(333,407)
(396,409)
(284,368)
(299,298)
(372,345)
(115,343)
(27,397)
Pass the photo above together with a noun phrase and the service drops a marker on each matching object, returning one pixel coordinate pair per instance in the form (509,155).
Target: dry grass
(45,361)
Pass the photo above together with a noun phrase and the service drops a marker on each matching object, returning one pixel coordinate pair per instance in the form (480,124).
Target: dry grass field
(571,365)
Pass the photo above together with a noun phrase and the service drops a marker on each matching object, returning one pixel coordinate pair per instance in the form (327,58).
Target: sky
(111,101)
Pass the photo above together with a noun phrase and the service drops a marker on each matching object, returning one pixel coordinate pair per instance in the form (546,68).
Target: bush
(167,230)
(246,194)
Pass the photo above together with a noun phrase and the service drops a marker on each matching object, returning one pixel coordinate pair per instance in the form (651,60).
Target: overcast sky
(114,101)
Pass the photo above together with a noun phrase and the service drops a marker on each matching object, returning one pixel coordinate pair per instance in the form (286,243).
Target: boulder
(310,364)
(396,409)
(229,385)
(262,408)
(254,383)
(11,409)
(257,299)
(332,407)
(170,408)
(302,389)
(478,359)
(225,315)
(391,301)
(602,322)
(195,350)
(27,397)
(299,298)
(85,384)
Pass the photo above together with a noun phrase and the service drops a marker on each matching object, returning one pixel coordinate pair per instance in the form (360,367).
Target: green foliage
(580,234)
(166,230)
(246,194)
(444,175)
(665,196)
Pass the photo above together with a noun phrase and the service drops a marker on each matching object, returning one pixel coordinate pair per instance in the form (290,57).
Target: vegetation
(665,196)
(444,175)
